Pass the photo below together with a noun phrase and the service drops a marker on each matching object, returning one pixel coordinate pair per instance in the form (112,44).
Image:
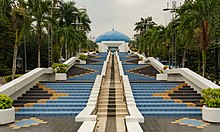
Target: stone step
(112,109)
(186,97)
(36,91)
(185,94)
(117,114)
(185,91)
(122,105)
(36,94)
(111,98)
(107,101)
(110,91)
(34,97)
(111,94)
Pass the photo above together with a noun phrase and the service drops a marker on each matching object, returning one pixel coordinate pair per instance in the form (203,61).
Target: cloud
(122,14)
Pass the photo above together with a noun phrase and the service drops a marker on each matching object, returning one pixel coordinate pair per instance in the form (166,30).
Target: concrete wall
(22,84)
(193,79)
(71,62)
(182,74)
(122,46)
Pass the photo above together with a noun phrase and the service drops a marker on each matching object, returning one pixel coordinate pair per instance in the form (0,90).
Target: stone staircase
(111,101)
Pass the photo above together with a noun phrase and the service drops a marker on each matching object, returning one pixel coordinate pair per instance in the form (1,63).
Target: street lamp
(77,23)
(173,12)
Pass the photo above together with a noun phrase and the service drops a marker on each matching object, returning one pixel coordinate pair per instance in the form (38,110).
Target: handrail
(70,62)
(86,115)
(187,75)
(17,84)
(135,117)
(195,78)
(29,79)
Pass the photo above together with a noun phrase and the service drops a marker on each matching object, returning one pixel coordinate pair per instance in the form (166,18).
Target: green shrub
(84,50)
(91,50)
(83,57)
(5,101)
(139,51)
(4,70)
(211,97)
(141,58)
(9,77)
(60,68)
(135,50)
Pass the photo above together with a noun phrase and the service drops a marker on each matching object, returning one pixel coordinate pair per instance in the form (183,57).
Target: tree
(39,14)
(18,17)
(202,11)
(144,24)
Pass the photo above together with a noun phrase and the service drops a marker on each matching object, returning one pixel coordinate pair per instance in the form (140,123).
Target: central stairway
(111,104)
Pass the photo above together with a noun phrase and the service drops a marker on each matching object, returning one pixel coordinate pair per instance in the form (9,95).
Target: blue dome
(112,36)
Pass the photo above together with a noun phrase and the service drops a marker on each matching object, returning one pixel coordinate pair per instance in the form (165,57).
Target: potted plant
(141,60)
(7,111)
(84,50)
(60,71)
(83,58)
(135,51)
(162,75)
(211,108)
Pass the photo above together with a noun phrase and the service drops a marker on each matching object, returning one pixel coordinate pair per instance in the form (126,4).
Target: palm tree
(85,21)
(202,11)
(144,24)
(67,13)
(71,19)
(5,8)
(18,17)
(141,27)
(67,34)
(39,14)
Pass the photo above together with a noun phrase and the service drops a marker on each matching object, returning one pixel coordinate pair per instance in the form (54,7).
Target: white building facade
(113,40)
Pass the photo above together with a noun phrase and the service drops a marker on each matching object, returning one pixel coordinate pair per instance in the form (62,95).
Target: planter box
(82,61)
(7,116)
(60,76)
(141,62)
(162,77)
(211,114)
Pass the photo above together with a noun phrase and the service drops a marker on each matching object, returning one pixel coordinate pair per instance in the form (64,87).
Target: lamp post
(77,22)
(173,12)
(50,43)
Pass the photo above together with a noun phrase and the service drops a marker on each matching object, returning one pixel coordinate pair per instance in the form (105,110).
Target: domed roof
(112,36)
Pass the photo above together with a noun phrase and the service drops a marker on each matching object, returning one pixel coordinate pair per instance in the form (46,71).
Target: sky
(123,14)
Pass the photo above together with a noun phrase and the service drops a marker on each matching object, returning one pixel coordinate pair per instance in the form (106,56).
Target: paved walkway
(164,124)
(52,124)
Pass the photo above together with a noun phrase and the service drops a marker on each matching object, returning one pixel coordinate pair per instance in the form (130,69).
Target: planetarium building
(113,40)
